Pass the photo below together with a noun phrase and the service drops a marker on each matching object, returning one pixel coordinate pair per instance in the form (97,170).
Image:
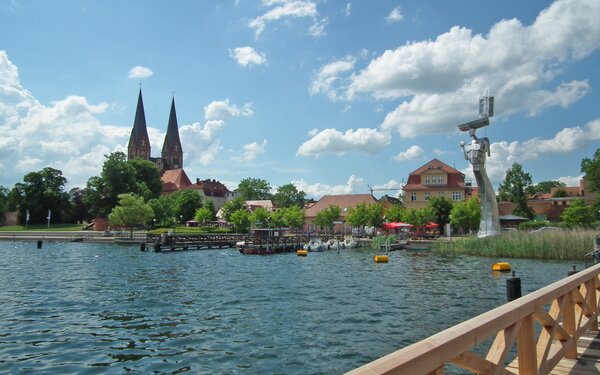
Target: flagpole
(49,215)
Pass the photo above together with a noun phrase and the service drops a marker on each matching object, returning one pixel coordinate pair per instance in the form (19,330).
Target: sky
(336,97)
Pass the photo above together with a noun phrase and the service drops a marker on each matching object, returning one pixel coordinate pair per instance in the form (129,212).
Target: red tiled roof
(344,202)
(435,164)
(174,179)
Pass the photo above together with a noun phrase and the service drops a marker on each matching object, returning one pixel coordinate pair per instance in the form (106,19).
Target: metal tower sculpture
(476,153)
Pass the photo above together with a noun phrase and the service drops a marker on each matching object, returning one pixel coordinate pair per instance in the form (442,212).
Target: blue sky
(333,96)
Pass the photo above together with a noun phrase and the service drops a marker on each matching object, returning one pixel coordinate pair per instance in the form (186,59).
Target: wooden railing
(544,325)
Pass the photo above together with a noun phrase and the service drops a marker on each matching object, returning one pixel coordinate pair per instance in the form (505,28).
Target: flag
(49,214)
(27,215)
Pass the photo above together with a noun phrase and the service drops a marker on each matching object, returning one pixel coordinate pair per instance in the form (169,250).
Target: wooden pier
(554,331)
(180,242)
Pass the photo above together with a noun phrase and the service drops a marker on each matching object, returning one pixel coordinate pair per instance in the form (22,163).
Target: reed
(560,245)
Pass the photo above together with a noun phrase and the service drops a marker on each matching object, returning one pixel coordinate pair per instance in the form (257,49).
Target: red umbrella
(395,225)
(431,225)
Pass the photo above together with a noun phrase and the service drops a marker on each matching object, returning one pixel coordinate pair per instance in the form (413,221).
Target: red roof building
(435,178)
(344,202)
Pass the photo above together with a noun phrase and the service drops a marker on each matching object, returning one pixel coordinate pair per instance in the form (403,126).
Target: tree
(232,206)
(578,214)
(442,208)
(119,176)
(203,215)
(591,168)
(375,215)
(3,199)
(514,188)
(559,193)
(358,216)
(466,214)
(293,217)
(240,220)
(394,213)
(210,205)
(163,210)
(288,195)
(78,211)
(327,216)
(186,202)
(131,212)
(260,217)
(39,192)
(254,189)
(544,187)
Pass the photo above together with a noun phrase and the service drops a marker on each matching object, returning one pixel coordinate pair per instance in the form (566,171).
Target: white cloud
(282,9)
(251,151)
(570,180)
(202,142)
(347,10)
(318,29)
(139,72)
(326,80)
(353,185)
(414,152)
(333,141)
(221,110)
(438,81)
(247,56)
(395,15)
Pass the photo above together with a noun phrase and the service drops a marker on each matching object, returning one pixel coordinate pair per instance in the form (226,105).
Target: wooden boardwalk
(587,362)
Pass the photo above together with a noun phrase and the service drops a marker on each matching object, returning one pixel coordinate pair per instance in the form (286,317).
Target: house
(435,178)
(344,202)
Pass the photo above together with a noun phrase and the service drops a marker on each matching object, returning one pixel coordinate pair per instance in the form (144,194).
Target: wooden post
(592,301)
(526,348)
(438,371)
(569,324)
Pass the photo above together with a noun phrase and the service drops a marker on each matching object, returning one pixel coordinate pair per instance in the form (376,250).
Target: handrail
(563,310)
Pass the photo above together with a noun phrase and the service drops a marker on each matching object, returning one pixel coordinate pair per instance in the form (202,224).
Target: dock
(182,242)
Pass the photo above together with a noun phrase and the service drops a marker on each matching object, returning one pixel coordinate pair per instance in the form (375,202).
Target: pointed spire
(172,136)
(139,124)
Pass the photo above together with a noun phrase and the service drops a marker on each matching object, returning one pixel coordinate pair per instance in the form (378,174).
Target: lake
(90,308)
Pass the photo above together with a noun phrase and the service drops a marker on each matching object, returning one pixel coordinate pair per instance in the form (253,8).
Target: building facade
(435,178)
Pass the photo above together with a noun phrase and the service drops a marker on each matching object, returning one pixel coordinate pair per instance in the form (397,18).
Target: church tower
(172,154)
(139,143)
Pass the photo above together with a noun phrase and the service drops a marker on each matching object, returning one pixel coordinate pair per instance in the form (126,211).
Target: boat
(315,244)
(334,244)
(349,243)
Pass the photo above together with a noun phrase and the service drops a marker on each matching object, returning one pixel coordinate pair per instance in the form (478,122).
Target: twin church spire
(139,143)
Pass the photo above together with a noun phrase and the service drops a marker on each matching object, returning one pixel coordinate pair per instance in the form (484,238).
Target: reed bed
(560,245)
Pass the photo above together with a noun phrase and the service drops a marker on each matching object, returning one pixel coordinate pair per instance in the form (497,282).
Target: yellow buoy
(501,266)
(380,258)
(302,253)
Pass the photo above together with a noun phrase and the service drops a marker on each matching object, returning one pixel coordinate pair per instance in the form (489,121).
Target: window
(413,197)
(456,196)
(434,180)
(426,195)
(441,193)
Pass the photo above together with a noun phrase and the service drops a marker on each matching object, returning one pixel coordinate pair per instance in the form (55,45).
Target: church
(170,161)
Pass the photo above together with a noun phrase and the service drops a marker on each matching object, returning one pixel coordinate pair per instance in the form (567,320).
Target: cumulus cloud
(438,81)
(251,151)
(395,15)
(202,142)
(316,191)
(414,152)
(283,9)
(570,180)
(333,141)
(326,80)
(139,72)
(347,10)
(222,110)
(246,56)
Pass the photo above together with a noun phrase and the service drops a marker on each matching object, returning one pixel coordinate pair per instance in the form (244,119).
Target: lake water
(94,308)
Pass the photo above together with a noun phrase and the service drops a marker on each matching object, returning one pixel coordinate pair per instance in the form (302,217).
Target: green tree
(466,215)
(232,206)
(288,195)
(375,215)
(3,199)
(591,168)
(423,216)
(240,220)
(394,213)
(261,217)
(119,176)
(163,210)
(254,189)
(131,211)
(327,216)
(293,217)
(203,215)
(578,214)
(78,210)
(186,202)
(559,193)
(544,187)
(358,216)
(442,208)
(210,205)
(39,192)
(514,189)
